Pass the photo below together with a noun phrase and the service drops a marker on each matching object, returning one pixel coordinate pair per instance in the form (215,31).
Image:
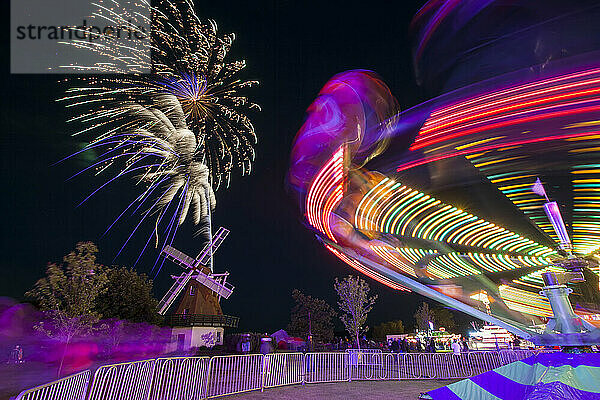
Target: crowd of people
(399,345)
(430,346)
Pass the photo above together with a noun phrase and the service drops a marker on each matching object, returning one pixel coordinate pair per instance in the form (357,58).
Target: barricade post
(365,364)
(131,381)
(283,369)
(234,374)
(326,367)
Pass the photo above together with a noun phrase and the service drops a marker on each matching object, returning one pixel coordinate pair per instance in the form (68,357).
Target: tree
(321,315)
(128,296)
(422,316)
(388,328)
(355,304)
(439,316)
(68,293)
(443,317)
(115,331)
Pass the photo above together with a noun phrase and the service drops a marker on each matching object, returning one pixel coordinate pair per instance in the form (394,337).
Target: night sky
(292,48)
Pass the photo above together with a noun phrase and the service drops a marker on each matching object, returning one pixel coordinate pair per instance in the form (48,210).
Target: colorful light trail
(510,137)
(325,193)
(525,301)
(367,271)
(390,207)
(518,105)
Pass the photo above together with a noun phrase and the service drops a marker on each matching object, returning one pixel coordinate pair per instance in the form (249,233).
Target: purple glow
(352,108)
(113,341)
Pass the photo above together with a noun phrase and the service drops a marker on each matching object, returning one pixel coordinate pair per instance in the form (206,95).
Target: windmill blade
(206,255)
(222,289)
(176,256)
(204,249)
(216,283)
(174,292)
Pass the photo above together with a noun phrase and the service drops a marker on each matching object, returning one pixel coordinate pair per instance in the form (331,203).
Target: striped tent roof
(545,376)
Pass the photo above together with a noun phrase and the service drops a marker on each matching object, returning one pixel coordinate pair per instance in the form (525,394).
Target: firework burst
(182,128)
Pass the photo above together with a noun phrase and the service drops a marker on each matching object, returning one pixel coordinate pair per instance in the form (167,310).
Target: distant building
(491,337)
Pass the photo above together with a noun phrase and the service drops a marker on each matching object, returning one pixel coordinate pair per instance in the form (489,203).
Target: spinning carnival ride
(485,198)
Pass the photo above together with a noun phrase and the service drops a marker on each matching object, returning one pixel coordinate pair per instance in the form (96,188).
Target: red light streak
(424,142)
(434,126)
(416,163)
(463,104)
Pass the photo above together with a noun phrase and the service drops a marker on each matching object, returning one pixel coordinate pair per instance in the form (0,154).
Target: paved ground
(363,390)
(17,377)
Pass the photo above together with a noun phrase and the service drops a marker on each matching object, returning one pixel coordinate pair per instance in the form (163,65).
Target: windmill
(196,268)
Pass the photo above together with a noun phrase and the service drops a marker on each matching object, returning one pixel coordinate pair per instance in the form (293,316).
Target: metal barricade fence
(406,368)
(73,387)
(447,365)
(179,378)
(540,351)
(461,367)
(131,381)
(283,369)
(483,361)
(433,366)
(390,366)
(326,367)
(426,365)
(365,365)
(510,356)
(364,351)
(234,374)
(413,366)
(183,378)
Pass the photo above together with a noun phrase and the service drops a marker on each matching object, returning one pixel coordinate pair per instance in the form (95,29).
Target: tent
(286,342)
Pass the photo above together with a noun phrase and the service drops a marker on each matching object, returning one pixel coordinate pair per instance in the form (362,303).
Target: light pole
(310,337)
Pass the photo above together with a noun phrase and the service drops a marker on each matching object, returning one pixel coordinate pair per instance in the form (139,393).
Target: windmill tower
(198,319)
